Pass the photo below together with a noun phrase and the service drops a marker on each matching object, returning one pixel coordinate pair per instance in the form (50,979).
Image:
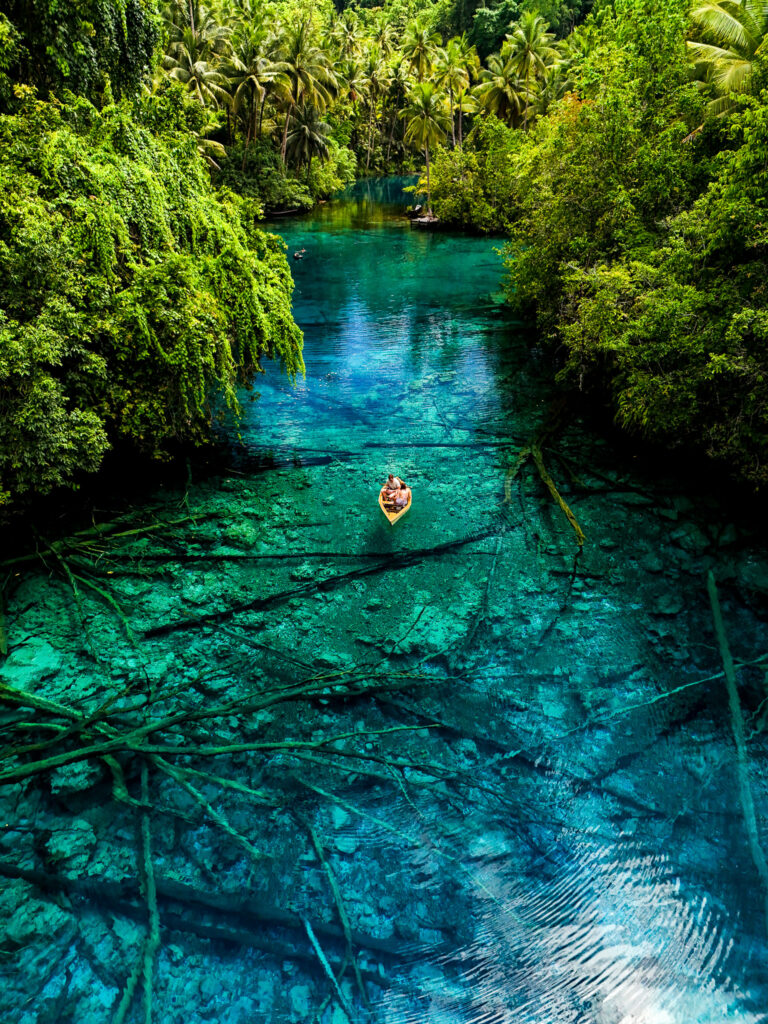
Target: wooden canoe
(393,517)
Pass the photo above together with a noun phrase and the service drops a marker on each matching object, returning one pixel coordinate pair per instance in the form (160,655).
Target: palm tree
(426,123)
(347,34)
(211,38)
(556,83)
(381,36)
(452,69)
(252,75)
(500,90)
(397,91)
(196,42)
(188,61)
(307,73)
(466,103)
(419,45)
(529,52)
(307,137)
(376,77)
(731,34)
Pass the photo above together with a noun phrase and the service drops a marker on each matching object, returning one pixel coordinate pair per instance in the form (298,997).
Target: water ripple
(604,937)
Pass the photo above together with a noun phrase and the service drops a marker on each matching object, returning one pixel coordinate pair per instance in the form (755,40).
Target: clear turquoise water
(524,823)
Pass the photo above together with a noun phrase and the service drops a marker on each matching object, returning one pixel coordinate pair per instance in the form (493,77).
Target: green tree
(426,123)
(500,90)
(306,70)
(452,71)
(308,137)
(132,297)
(376,79)
(82,46)
(187,62)
(419,45)
(251,75)
(529,51)
(196,42)
(730,35)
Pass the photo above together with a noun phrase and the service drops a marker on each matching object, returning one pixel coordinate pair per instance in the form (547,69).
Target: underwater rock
(754,575)
(30,663)
(72,844)
(466,748)
(241,534)
(340,817)
(303,573)
(691,538)
(652,563)
(299,1000)
(489,846)
(668,604)
(26,917)
(74,778)
(333,659)
(346,844)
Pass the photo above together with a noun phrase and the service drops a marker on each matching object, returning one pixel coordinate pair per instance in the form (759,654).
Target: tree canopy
(134,298)
(635,208)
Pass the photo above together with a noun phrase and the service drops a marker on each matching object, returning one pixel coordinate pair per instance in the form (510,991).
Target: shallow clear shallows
(449,763)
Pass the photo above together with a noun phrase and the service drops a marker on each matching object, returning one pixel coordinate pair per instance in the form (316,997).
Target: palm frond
(732,76)
(713,20)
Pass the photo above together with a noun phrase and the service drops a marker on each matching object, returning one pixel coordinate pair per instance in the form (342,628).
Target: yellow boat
(393,516)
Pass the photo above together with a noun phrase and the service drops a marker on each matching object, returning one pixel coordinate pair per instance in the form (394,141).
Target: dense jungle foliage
(619,143)
(133,297)
(635,203)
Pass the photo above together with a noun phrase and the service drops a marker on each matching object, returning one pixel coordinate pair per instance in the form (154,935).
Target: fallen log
(184,907)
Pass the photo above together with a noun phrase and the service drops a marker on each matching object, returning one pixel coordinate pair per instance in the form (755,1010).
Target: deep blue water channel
(506,772)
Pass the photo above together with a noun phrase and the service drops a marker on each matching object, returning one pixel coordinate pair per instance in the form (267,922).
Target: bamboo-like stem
(177,774)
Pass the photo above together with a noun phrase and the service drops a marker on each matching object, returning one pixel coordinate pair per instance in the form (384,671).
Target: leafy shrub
(130,292)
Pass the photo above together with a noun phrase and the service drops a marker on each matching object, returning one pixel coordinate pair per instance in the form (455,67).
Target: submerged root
(742,758)
(341,910)
(538,458)
(534,452)
(143,969)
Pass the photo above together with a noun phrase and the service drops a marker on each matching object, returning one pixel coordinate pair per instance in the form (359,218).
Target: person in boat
(402,495)
(299,254)
(391,485)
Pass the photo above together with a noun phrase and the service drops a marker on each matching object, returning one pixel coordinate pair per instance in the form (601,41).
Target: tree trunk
(461,119)
(527,97)
(392,131)
(429,192)
(284,146)
(453,118)
(245,147)
(261,110)
(370,139)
